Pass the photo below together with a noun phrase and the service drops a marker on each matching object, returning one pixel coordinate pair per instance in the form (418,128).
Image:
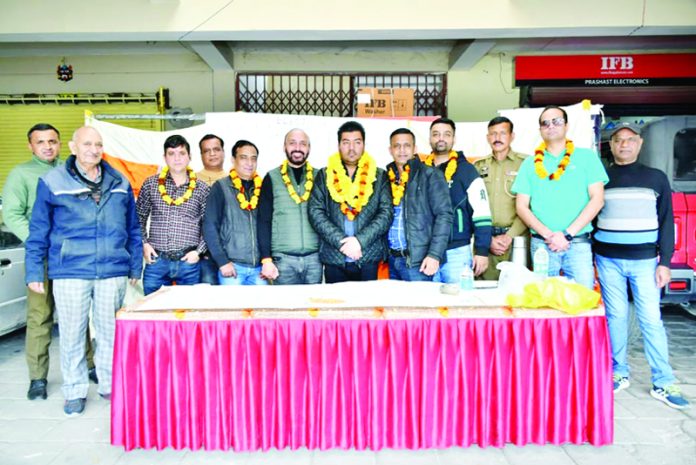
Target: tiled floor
(646,431)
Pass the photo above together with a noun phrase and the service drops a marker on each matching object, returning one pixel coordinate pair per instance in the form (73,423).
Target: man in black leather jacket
(420,230)
(350,209)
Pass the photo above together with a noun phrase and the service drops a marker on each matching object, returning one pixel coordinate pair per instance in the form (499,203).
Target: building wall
(473,95)
(189,79)
(477,94)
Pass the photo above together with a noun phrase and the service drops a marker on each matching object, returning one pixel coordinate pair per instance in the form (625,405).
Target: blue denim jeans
(294,269)
(576,262)
(209,271)
(451,271)
(614,275)
(246,276)
(398,269)
(163,272)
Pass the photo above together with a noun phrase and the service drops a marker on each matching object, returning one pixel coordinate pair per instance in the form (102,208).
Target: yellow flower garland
(309,183)
(163,189)
(451,163)
(399,188)
(539,161)
(253,202)
(352,195)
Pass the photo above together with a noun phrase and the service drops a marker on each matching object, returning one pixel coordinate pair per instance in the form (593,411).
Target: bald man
(289,246)
(85,225)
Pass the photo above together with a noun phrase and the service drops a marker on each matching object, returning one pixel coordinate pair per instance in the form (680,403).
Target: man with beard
(289,246)
(472,214)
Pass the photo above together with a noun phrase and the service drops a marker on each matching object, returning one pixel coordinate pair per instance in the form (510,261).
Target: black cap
(630,126)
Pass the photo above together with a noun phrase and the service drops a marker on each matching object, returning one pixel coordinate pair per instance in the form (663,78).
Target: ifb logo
(613,63)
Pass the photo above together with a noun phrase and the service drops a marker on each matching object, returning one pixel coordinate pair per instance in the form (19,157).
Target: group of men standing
(87,235)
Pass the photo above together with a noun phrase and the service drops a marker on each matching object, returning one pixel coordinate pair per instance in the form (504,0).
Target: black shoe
(93,375)
(74,407)
(37,389)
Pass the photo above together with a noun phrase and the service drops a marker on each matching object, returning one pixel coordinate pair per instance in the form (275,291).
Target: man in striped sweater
(633,244)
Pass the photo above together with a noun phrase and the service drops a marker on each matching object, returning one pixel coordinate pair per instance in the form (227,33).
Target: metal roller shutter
(16,119)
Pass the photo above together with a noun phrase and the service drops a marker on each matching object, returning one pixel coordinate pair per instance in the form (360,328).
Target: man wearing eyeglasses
(559,191)
(634,242)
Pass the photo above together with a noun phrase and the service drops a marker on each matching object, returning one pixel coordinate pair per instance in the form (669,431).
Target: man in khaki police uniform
(498,170)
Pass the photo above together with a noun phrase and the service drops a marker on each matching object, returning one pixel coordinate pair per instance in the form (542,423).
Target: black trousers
(350,272)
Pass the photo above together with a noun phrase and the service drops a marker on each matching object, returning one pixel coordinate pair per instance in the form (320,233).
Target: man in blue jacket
(84,222)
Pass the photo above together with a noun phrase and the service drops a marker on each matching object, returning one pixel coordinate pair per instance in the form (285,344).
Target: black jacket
(371,224)
(427,213)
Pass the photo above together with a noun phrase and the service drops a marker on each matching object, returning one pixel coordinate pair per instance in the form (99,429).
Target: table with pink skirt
(374,365)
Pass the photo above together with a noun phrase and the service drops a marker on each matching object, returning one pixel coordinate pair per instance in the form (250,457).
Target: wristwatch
(568,236)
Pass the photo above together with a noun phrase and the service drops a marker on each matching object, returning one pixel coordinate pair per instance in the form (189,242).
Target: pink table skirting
(364,384)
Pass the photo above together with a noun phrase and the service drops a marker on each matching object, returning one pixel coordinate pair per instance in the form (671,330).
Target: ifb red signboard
(606,70)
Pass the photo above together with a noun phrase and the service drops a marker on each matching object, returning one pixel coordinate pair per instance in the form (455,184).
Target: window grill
(333,94)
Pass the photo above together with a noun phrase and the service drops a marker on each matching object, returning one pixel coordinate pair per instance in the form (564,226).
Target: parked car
(13,293)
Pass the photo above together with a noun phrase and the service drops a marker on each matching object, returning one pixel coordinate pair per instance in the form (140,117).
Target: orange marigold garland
(309,183)
(398,188)
(351,195)
(451,163)
(161,187)
(253,202)
(539,161)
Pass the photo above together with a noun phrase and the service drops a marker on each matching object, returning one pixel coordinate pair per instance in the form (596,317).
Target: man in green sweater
(18,197)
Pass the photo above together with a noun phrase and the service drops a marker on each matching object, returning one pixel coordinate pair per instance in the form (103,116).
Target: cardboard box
(388,102)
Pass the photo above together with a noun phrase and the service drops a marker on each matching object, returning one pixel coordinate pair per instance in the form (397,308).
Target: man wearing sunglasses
(559,191)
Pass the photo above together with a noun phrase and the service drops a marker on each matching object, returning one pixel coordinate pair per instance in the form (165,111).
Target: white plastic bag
(514,276)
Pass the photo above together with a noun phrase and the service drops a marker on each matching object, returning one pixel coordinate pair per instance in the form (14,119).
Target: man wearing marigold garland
(472,214)
(174,202)
(229,226)
(350,208)
(498,171)
(288,244)
(85,225)
(212,150)
(559,191)
(419,234)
